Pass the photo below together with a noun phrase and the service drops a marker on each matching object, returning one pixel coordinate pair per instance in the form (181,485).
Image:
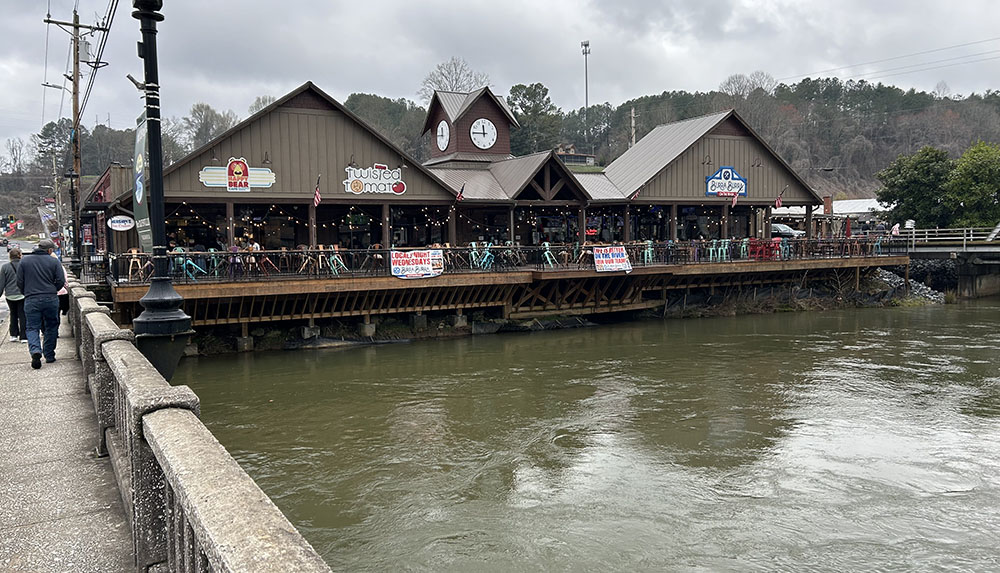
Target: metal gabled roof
(455,104)
(599,187)
(514,174)
(479,184)
(658,149)
(452,103)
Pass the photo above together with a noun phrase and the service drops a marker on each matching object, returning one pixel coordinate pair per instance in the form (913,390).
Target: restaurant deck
(517,282)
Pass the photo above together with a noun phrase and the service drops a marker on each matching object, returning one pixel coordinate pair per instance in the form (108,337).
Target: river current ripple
(856,440)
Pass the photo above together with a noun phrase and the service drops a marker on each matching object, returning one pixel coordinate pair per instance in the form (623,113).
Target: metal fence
(247,266)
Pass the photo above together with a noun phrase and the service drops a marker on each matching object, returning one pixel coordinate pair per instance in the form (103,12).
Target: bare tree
(941,90)
(14,162)
(455,75)
(260,103)
(205,123)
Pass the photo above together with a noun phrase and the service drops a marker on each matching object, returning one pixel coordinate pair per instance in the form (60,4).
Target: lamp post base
(162,330)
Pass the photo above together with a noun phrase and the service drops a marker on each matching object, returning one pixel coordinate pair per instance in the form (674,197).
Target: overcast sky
(226,53)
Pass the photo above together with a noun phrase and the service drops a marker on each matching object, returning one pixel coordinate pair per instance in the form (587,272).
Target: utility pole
(58,197)
(73,28)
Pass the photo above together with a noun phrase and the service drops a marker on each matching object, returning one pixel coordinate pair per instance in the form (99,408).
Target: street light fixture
(162,330)
(585,49)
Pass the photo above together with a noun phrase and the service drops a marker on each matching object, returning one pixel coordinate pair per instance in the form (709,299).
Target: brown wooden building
(258,182)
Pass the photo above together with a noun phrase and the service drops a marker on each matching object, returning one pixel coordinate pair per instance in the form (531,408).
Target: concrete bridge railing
(190,505)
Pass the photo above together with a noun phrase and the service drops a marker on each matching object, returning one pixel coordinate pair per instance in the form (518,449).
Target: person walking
(15,300)
(40,277)
(63,293)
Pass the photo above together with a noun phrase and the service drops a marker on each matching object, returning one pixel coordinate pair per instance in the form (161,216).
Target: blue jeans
(42,314)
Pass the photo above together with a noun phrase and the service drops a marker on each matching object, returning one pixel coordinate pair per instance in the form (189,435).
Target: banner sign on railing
(610,259)
(417,264)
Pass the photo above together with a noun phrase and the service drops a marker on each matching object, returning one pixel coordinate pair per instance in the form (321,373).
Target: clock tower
(468,127)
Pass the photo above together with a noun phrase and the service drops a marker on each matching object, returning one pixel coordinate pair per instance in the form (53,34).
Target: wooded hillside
(837,134)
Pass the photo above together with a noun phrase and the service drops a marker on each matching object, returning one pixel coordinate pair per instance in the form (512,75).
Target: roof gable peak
(456,104)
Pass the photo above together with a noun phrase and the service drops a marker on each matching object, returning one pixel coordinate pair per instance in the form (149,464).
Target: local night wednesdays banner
(417,264)
(609,259)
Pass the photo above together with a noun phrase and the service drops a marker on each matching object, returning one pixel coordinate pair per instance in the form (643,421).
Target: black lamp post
(74,260)
(162,329)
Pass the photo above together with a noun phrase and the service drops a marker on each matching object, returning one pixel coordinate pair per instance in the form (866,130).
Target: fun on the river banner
(417,264)
(609,259)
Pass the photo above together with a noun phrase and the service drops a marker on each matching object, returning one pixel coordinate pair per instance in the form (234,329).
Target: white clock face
(484,133)
(443,135)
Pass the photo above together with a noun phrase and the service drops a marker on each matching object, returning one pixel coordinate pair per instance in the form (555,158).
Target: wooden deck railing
(253,266)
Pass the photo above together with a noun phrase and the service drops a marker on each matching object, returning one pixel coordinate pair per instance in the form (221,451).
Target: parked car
(784,231)
(4,240)
(12,245)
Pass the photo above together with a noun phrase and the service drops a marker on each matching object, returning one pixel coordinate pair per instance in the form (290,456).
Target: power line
(910,55)
(921,64)
(936,67)
(96,64)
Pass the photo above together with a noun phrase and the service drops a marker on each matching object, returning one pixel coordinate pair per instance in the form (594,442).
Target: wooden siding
(684,179)
(483,107)
(303,142)
(439,115)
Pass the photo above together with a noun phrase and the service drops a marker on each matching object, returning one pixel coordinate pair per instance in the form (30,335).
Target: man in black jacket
(39,277)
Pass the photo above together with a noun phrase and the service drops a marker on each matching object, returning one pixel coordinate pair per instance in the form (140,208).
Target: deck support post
(627,237)
(230,231)
(458,319)
(510,225)
(673,222)
(367,328)
(244,343)
(386,228)
(418,322)
(312,225)
(724,231)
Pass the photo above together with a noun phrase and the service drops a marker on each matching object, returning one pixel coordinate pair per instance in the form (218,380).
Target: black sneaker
(36,360)
(50,360)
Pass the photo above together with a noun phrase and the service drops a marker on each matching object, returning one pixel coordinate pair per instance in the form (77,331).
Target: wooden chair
(136,270)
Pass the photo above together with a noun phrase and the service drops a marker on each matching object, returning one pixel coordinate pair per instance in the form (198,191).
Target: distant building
(570,156)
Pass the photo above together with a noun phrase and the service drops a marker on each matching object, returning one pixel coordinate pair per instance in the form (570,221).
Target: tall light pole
(162,329)
(585,49)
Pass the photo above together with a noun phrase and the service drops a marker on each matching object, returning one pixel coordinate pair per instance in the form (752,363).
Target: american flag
(316,196)
(461,193)
(777,202)
(735,197)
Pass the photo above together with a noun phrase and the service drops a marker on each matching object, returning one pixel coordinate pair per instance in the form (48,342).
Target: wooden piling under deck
(515,294)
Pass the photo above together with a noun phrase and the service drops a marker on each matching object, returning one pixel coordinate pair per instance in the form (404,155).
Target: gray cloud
(226,53)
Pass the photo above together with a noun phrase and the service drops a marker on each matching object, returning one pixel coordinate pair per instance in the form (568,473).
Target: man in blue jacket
(40,277)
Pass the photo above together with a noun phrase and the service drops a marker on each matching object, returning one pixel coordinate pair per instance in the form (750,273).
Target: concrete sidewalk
(60,509)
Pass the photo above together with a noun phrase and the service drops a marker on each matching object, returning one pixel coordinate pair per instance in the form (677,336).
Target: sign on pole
(139,191)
